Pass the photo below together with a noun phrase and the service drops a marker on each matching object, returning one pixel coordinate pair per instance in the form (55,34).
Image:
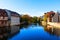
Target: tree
(26,19)
(34,19)
(45,17)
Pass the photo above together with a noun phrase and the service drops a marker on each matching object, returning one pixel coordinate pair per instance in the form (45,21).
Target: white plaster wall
(15,20)
(55,18)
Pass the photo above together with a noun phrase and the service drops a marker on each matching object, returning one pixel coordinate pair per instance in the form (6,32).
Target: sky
(31,7)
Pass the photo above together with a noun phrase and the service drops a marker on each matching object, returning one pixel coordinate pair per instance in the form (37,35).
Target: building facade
(3,18)
(14,18)
(50,15)
(56,17)
(9,21)
(8,17)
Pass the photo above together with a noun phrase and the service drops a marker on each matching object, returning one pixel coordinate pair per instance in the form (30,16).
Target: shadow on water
(27,25)
(23,26)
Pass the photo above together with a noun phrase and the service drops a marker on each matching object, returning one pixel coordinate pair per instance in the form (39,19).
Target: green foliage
(34,19)
(26,18)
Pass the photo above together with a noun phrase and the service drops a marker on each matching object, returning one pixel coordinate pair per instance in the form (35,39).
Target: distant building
(50,15)
(53,17)
(56,17)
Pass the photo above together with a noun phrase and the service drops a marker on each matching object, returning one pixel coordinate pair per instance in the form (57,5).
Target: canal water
(34,32)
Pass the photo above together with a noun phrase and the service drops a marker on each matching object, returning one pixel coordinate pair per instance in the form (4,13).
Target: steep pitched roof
(12,12)
(50,14)
(3,12)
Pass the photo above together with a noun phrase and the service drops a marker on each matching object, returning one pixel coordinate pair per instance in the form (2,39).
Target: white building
(14,18)
(10,20)
(56,17)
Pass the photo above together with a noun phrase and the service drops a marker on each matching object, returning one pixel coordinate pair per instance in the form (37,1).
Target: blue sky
(31,7)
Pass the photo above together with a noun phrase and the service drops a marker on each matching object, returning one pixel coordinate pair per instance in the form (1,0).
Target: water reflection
(3,33)
(29,25)
(6,32)
(30,32)
(36,32)
(52,31)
